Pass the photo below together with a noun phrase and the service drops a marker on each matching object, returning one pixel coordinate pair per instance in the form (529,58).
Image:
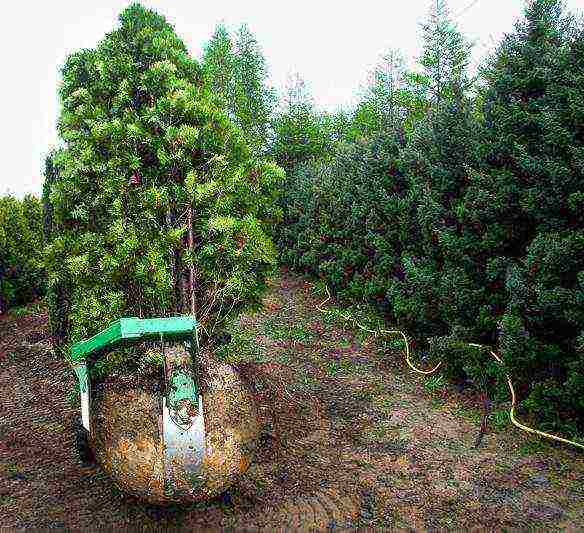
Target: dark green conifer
(522,212)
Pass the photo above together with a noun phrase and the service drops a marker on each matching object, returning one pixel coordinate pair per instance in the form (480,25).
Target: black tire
(84,452)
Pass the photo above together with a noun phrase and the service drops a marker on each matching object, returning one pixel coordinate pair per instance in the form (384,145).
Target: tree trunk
(192,284)
(175,290)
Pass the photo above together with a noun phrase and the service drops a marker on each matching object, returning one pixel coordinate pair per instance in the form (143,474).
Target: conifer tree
(235,68)
(446,53)
(254,99)
(337,213)
(522,209)
(442,146)
(393,101)
(22,273)
(522,175)
(159,205)
(437,162)
(218,66)
(380,107)
(301,133)
(543,326)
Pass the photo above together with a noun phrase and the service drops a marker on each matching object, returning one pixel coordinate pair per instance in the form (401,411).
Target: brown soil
(128,447)
(351,439)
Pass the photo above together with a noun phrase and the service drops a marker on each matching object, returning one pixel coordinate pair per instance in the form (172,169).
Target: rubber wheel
(86,457)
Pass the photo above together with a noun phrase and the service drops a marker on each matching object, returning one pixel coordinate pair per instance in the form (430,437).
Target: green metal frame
(182,409)
(182,385)
(127,330)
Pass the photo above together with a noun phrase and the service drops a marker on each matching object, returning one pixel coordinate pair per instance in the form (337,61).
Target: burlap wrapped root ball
(127,442)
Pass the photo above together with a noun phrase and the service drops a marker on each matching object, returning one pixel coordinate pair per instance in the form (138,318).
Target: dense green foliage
(395,100)
(460,216)
(526,202)
(337,217)
(301,133)
(156,204)
(454,206)
(445,56)
(22,274)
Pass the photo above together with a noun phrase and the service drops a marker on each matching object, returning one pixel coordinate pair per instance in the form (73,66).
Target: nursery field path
(351,439)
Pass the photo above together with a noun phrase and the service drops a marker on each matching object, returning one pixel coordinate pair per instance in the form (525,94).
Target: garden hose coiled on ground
(512,417)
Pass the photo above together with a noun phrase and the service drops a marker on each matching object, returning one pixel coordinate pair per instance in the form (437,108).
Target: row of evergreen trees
(453,205)
(456,205)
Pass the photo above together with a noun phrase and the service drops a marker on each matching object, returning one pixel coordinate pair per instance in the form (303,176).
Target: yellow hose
(514,421)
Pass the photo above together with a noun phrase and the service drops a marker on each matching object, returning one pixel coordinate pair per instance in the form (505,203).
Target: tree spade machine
(182,433)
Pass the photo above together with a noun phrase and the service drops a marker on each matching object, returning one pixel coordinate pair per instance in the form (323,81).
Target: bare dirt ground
(351,439)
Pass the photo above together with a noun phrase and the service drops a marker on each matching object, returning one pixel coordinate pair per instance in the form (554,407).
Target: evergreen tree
(518,188)
(235,69)
(543,327)
(159,206)
(446,53)
(337,213)
(300,132)
(523,213)
(393,101)
(437,163)
(22,273)
(219,66)
(254,100)
(380,107)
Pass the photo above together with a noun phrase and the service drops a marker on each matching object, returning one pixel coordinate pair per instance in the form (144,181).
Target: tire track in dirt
(311,492)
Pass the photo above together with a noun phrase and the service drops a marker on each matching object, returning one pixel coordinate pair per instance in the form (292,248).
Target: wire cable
(466,9)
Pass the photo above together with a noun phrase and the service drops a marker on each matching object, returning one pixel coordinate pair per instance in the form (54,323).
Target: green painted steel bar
(82,376)
(134,329)
(182,387)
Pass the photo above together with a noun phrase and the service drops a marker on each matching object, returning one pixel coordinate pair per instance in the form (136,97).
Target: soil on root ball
(128,446)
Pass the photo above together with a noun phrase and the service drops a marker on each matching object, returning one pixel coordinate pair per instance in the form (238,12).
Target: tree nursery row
(452,204)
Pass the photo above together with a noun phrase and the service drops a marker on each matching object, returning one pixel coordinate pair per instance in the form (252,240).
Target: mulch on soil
(350,439)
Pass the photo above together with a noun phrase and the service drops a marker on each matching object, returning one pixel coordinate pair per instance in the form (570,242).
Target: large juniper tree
(436,162)
(160,206)
(543,326)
